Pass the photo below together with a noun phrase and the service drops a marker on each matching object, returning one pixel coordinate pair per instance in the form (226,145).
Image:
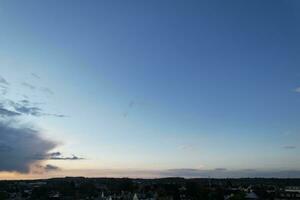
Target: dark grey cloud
(49,168)
(19,146)
(289,147)
(28,85)
(54,154)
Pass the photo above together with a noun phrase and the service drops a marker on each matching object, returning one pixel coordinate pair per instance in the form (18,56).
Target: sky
(149,88)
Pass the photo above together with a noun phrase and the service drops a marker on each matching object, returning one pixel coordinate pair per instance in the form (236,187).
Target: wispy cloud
(131,105)
(187,147)
(28,85)
(41,169)
(35,76)
(58,156)
(47,90)
(289,147)
(25,107)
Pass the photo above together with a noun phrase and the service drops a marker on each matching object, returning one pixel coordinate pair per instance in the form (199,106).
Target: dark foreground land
(73,188)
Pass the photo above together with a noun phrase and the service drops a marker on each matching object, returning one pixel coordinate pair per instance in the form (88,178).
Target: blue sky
(158,85)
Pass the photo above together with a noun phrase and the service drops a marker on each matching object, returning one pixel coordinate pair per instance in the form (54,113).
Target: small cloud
(40,169)
(186,147)
(3,86)
(297,89)
(54,154)
(289,147)
(3,81)
(131,104)
(28,86)
(47,90)
(49,168)
(35,76)
(3,90)
(125,114)
(57,115)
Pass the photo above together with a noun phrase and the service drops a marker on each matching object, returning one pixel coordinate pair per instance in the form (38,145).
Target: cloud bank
(19,146)
(184,172)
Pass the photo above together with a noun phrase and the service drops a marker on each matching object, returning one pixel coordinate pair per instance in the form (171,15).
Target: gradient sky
(158,85)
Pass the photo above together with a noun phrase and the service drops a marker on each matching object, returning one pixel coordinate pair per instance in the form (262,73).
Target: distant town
(80,188)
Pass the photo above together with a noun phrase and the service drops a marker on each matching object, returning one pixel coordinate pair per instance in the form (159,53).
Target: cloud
(47,90)
(25,107)
(7,113)
(49,168)
(289,147)
(297,89)
(225,173)
(125,114)
(186,173)
(27,85)
(3,81)
(35,111)
(187,147)
(19,146)
(59,157)
(22,147)
(55,156)
(40,169)
(35,76)
(3,90)
(131,105)
(3,86)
